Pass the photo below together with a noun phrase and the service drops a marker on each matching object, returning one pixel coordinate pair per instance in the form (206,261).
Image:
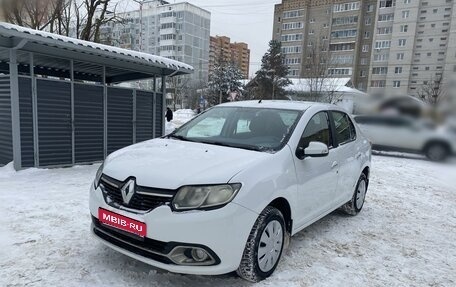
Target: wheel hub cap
(360,194)
(270,246)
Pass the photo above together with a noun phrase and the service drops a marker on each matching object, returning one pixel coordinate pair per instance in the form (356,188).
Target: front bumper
(222,232)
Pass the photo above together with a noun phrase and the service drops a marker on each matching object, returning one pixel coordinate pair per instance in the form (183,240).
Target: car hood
(170,164)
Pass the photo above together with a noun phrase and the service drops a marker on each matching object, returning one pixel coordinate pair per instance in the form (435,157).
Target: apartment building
(387,47)
(341,29)
(179,31)
(221,48)
(414,46)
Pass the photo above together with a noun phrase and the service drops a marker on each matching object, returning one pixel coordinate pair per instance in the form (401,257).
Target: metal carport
(59,105)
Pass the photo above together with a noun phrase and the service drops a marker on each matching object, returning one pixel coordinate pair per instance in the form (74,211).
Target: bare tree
(321,84)
(81,19)
(433,92)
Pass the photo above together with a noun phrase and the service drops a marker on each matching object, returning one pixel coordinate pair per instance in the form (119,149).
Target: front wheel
(264,246)
(354,206)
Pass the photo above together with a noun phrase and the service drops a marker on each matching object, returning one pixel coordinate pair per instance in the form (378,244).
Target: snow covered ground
(405,236)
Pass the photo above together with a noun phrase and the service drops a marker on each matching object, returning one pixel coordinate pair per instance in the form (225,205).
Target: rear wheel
(437,151)
(264,246)
(354,206)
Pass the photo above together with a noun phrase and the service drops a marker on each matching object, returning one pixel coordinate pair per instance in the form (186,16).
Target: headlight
(96,182)
(204,197)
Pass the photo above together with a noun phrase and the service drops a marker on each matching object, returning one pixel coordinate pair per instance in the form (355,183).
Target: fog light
(199,255)
(187,255)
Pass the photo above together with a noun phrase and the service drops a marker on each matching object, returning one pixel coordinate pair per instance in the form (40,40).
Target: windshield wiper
(242,146)
(182,138)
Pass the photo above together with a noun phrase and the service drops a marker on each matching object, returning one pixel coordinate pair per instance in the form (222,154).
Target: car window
(345,130)
(263,129)
(209,127)
(317,130)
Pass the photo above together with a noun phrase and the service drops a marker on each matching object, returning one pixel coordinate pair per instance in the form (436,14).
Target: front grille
(144,199)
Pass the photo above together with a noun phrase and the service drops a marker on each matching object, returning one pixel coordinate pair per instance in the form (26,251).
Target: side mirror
(315,149)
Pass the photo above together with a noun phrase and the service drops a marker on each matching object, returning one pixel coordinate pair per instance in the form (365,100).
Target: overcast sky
(248,21)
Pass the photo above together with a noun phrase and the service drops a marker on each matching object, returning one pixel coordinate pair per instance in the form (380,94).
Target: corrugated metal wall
(160,116)
(54,122)
(88,123)
(73,132)
(144,116)
(6,145)
(26,119)
(120,118)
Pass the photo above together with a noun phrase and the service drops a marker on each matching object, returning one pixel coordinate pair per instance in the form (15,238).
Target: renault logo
(128,190)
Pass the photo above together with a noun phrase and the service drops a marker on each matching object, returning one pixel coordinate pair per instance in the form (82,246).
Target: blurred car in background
(403,134)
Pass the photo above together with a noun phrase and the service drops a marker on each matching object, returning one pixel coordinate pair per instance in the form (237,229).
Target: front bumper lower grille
(145,247)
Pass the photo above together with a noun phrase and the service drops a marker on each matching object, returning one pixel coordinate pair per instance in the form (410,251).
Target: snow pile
(405,236)
(180,117)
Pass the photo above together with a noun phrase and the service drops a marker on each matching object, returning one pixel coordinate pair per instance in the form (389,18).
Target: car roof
(278,104)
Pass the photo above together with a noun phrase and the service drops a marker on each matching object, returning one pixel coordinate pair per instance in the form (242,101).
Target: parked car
(403,134)
(225,191)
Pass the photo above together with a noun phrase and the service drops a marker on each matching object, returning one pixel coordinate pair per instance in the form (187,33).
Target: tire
(250,268)
(437,151)
(355,205)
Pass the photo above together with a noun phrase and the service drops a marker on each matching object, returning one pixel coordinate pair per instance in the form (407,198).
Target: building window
(398,70)
(344,33)
(402,42)
(404,28)
(405,14)
(291,49)
(365,48)
(292,37)
(396,84)
(366,35)
(400,56)
(384,30)
(380,70)
(352,6)
(406,1)
(378,84)
(381,57)
(292,25)
(344,20)
(293,14)
(386,17)
(340,72)
(387,3)
(382,44)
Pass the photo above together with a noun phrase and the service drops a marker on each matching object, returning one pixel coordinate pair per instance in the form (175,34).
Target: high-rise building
(414,45)
(221,49)
(388,47)
(179,31)
(339,28)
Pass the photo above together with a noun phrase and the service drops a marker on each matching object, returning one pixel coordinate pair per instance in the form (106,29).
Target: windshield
(258,129)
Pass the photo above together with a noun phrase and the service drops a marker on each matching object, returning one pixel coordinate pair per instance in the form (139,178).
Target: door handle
(334,165)
(358,155)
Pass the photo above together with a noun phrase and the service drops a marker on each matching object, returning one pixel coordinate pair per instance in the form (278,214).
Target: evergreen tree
(272,77)
(224,79)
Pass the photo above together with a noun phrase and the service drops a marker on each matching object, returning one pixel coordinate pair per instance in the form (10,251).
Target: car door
(317,176)
(349,156)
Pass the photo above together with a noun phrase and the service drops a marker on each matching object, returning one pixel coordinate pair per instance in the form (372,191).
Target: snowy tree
(224,80)
(272,78)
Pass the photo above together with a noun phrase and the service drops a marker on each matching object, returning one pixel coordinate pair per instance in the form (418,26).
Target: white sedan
(225,191)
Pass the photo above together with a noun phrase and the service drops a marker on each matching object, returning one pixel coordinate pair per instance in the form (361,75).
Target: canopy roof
(121,64)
